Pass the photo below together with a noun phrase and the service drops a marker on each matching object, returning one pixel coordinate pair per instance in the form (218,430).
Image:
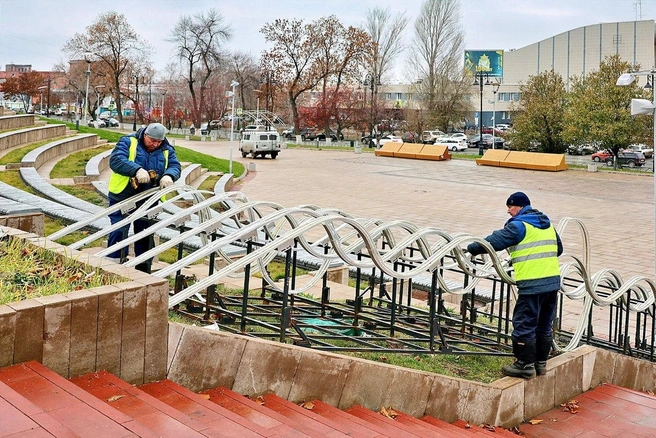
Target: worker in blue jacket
(534,247)
(139,162)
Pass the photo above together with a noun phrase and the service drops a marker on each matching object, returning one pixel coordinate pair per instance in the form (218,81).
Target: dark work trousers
(140,246)
(533,316)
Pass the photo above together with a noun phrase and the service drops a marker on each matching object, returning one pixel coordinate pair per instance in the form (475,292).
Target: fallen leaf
(114,398)
(307,405)
(650,392)
(467,426)
(259,400)
(383,359)
(571,406)
(389,413)
(535,421)
(487,427)
(205,396)
(516,431)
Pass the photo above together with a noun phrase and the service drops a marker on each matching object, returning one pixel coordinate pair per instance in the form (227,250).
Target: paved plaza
(459,196)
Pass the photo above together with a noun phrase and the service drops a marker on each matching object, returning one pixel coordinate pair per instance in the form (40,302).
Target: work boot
(144,267)
(524,365)
(543,346)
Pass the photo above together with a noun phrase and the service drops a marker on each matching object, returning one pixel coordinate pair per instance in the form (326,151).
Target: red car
(602,156)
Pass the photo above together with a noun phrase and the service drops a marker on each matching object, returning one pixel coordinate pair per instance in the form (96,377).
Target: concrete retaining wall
(201,358)
(121,328)
(36,157)
(15,121)
(30,135)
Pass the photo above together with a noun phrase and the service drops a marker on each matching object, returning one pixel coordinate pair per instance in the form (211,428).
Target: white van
(259,141)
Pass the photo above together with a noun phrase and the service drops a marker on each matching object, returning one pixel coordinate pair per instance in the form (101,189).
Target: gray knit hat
(156,131)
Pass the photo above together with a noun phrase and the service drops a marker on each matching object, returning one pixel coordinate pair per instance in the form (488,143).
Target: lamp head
(641,107)
(234,84)
(625,79)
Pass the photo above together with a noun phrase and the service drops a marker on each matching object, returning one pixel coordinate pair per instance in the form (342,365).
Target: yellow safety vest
(117,182)
(536,256)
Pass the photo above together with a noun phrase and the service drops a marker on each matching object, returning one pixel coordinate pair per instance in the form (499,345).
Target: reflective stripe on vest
(117,182)
(536,256)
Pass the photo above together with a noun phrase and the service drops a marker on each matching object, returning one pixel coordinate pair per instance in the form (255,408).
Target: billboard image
(487,61)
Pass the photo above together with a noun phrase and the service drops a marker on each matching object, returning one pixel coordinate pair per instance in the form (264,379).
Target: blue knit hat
(518,199)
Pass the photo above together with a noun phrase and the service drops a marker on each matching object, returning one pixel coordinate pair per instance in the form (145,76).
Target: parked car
(488,130)
(486,141)
(580,149)
(453,144)
(112,122)
(288,133)
(646,150)
(389,139)
(97,124)
(601,155)
(431,136)
(628,159)
(330,134)
(409,137)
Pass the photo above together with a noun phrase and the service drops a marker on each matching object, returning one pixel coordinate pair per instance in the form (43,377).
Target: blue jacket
(155,160)
(514,232)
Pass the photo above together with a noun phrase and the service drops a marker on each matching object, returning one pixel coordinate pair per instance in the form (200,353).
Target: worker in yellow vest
(534,247)
(139,162)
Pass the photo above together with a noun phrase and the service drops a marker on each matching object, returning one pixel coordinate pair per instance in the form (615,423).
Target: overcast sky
(34,31)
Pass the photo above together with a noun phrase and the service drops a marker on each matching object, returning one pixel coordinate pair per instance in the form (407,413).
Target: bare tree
(292,62)
(244,69)
(385,32)
(198,41)
(436,61)
(110,40)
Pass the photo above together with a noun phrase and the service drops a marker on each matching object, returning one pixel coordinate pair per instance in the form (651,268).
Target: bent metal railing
(468,301)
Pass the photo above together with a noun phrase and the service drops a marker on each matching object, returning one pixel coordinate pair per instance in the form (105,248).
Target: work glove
(142,176)
(165,182)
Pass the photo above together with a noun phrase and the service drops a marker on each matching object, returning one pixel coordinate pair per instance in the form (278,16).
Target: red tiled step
(67,404)
(382,424)
(606,410)
(258,414)
(26,418)
(360,428)
(312,420)
(480,431)
(144,409)
(436,426)
(203,410)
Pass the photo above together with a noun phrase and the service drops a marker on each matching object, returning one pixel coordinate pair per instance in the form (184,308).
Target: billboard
(487,61)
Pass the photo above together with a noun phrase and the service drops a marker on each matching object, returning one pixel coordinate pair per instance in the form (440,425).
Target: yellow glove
(165,182)
(142,176)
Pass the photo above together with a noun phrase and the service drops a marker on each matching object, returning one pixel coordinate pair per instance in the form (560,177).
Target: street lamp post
(495,88)
(372,80)
(643,107)
(98,87)
(86,95)
(136,102)
(233,84)
(257,110)
(163,97)
(478,80)
(41,88)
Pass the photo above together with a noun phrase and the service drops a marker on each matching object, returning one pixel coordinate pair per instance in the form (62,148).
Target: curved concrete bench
(16,121)
(31,135)
(96,165)
(36,157)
